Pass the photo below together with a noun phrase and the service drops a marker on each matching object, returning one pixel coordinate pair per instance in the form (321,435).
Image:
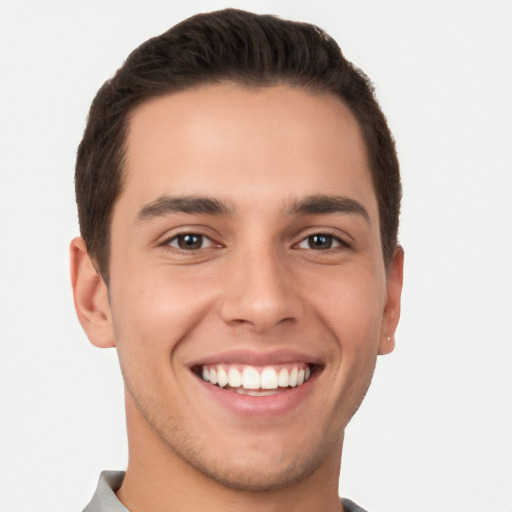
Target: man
(238,196)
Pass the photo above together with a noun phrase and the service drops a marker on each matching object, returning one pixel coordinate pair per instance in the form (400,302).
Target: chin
(255,461)
(256,474)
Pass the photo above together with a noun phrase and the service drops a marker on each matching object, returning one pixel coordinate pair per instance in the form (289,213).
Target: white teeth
(222,377)
(293,378)
(250,381)
(269,379)
(283,378)
(234,378)
(256,392)
(251,378)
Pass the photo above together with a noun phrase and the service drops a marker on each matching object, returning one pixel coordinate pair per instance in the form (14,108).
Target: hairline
(243,83)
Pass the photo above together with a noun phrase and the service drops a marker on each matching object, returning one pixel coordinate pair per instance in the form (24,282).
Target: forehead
(253,143)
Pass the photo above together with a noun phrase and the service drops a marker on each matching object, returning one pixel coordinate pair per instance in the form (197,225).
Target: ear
(391,313)
(90,294)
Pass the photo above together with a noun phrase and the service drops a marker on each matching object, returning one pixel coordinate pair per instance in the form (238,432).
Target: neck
(158,480)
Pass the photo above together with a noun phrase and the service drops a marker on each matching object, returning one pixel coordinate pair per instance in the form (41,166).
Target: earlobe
(387,345)
(391,313)
(90,295)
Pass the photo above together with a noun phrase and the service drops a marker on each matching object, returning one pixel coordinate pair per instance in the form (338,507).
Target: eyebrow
(325,204)
(183,204)
(310,205)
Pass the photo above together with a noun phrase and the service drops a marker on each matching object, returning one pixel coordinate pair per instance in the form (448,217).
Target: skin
(260,284)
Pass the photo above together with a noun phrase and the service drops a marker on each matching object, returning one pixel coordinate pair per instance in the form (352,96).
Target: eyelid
(342,239)
(170,241)
(336,242)
(200,231)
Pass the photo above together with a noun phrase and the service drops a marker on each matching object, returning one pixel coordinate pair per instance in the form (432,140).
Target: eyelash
(182,236)
(331,239)
(334,242)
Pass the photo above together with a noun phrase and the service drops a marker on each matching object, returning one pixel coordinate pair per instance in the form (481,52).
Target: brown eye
(320,242)
(190,242)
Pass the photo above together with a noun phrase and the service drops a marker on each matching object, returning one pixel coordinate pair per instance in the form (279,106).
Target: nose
(261,292)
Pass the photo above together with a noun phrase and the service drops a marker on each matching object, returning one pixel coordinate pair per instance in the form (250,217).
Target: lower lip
(277,404)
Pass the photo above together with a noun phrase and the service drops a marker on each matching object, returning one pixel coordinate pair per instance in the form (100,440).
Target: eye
(190,242)
(320,242)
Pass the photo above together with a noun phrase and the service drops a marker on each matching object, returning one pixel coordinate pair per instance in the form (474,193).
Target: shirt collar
(105,499)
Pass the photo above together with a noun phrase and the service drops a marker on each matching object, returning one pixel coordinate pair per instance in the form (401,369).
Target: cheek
(351,304)
(154,310)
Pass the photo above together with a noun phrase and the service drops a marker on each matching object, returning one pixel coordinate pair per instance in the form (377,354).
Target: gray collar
(105,499)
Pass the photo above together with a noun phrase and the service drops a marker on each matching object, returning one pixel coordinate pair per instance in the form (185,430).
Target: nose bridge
(261,293)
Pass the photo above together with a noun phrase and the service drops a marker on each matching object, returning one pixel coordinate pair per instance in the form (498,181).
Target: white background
(435,431)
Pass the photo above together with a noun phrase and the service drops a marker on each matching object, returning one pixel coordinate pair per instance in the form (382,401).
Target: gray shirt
(105,499)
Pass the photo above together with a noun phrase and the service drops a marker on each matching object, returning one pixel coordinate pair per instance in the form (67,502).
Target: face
(248,294)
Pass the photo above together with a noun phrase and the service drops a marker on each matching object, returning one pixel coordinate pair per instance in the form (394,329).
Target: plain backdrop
(435,431)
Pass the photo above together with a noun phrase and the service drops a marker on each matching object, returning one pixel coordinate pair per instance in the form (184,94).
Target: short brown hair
(235,46)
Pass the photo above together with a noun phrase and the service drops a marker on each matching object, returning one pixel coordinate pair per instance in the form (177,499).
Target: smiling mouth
(256,380)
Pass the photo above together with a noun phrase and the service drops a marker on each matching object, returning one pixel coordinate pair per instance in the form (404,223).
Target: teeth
(234,378)
(254,392)
(292,379)
(250,380)
(283,379)
(269,379)
(222,377)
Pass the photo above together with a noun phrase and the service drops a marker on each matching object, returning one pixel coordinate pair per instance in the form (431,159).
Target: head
(238,196)
(226,46)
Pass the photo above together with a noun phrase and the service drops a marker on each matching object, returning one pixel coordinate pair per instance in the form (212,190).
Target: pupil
(320,241)
(190,242)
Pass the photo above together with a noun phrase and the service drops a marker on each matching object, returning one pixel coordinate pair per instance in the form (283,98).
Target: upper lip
(257,358)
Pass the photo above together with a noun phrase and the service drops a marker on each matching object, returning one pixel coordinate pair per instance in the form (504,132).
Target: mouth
(256,380)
